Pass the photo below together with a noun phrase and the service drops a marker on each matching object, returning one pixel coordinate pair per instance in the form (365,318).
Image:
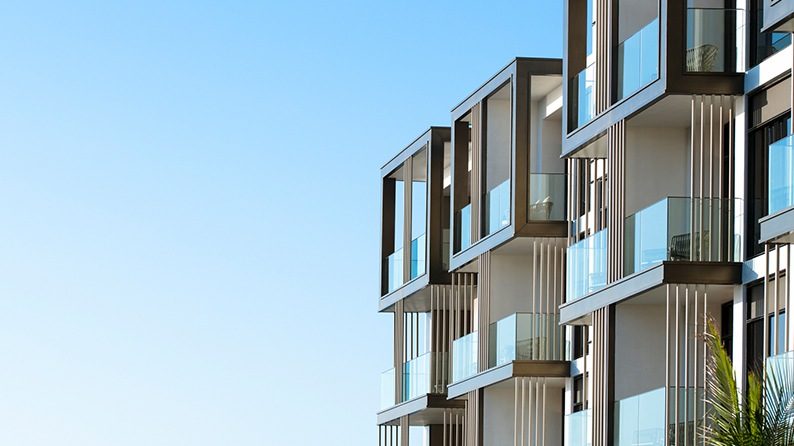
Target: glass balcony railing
(418,256)
(711,39)
(497,205)
(582,94)
(463,228)
(388,394)
(781,174)
(640,419)
(638,59)
(424,374)
(580,428)
(689,422)
(546,196)
(781,362)
(464,357)
(586,265)
(394,270)
(681,229)
(525,337)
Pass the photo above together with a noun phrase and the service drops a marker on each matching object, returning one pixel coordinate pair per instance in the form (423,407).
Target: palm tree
(763,417)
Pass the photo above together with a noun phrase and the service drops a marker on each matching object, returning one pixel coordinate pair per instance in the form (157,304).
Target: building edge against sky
(552,257)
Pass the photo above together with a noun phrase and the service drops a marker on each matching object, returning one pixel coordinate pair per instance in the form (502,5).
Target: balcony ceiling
(672,111)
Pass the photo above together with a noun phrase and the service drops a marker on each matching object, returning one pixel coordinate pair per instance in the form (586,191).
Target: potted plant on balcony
(763,416)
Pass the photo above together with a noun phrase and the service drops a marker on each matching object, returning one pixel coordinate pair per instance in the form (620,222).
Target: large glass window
(776,337)
(763,44)
(769,122)
(638,45)
(496,161)
(418,213)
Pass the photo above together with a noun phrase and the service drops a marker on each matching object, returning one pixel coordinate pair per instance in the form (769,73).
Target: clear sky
(189,196)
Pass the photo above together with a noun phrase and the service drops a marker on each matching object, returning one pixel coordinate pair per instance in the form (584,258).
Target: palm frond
(725,427)
(779,400)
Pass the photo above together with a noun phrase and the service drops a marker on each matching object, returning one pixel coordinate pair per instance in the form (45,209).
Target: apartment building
(551,260)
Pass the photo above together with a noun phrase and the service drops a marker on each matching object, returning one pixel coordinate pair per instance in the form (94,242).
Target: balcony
(580,428)
(711,39)
(781,175)
(586,266)
(525,337)
(424,375)
(638,60)
(413,227)
(681,229)
(464,357)
(388,394)
(546,197)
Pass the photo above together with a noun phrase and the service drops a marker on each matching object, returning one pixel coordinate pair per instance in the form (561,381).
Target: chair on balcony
(679,246)
(541,210)
(701,58)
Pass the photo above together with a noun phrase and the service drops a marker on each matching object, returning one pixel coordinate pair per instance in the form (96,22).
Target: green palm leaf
(764,416)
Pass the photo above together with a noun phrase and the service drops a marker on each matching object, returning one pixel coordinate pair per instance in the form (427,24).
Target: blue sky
(189,197)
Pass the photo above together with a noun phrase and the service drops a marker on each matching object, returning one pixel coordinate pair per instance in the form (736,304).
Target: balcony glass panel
(664,232)
(464,357)
(394,270)
(781,174)
(546,196)
(586,266)
(418,256)
(417,374)
(387,389)
(688,420)
(497,202)
(711,39)
(638,59)
(525,337)
(639,420)
(781,362)
(580,428)
(463,227)
(582,94)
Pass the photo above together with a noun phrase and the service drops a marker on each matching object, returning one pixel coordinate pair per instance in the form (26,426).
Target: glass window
(496,161)
(770,122)
(579,341)
(755,323)
(763,44)
(726,327)
(579,397)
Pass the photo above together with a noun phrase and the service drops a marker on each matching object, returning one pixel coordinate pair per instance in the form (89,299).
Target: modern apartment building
(551,260)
